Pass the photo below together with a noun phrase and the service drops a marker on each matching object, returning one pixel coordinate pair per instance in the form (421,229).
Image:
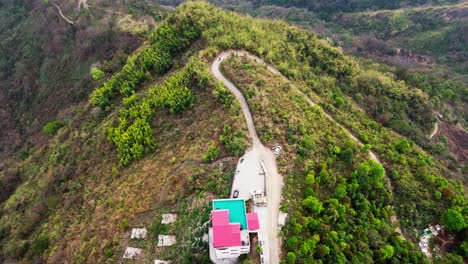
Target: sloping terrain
(423,42)
(45,61)
(154,132)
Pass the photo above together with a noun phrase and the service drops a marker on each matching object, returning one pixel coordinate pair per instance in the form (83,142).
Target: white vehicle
(277,150)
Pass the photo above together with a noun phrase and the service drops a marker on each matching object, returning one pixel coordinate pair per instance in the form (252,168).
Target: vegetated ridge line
(270,68)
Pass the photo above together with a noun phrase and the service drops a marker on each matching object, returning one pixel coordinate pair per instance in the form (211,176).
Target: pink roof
(224,233)
(252,221)
(220,218)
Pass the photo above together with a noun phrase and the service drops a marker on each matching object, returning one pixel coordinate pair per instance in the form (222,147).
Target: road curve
(63,16)
(274,180)
(228,84)
(240,97)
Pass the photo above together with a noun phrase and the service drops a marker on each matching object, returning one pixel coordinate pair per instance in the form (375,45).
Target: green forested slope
(429,34)
(338,203)
(138,149)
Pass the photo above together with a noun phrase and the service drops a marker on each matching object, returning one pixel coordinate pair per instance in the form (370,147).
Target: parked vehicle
(277,150)
(235,194)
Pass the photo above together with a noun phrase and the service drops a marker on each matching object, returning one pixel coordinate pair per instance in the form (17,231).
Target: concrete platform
(166,241)
(168,218)
(138,233)
(249,175)
(132,253)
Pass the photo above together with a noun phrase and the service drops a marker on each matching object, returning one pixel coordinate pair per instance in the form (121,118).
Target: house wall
(231,252)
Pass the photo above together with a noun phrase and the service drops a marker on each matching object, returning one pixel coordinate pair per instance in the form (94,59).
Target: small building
(132,253)
(166,241)
(259,198)
(282,219)
(158,261)
(138,233)
(431,231)
(231,227)
(168,218)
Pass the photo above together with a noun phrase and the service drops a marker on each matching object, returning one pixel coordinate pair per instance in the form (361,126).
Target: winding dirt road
(63,16)
(84,4)
(434,132)
(226,54)
(274,179)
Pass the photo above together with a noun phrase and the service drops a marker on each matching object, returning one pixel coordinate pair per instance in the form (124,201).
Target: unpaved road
(273,179)
(84,4)
(434,132)
(63,16)
(277,180)
(372,155)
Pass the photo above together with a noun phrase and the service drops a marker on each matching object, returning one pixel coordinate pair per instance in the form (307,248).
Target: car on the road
(235,194)
(277,150)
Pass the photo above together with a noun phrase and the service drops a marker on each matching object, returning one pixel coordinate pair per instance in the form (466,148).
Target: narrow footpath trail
(274,180)
(274,183)
(434,132)
(84,4)
(63,16)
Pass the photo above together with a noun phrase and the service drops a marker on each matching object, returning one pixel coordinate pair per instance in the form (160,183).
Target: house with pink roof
(231,227)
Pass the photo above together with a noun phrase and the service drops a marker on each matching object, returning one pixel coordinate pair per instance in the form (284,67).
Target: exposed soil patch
(406,57)
(457,140)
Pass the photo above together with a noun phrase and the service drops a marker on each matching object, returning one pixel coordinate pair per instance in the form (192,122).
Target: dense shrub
(453,220)
(52,127)
(211,155)
(39,245)
(167,41)
(233,141)
(134,136)
(96,73)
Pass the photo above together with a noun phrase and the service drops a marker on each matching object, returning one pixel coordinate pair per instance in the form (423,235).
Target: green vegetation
(291,258)
(134,136)
(453,220)
(397,33)
(329,8)
(108,252)
(39,245)
(212,154)
(234,141)
(339,202)
(167,41)
(433,31)
(96,73)
(46,63)
(448,96)
(52,127)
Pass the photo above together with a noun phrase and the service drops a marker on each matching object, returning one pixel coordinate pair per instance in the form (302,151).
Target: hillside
(45,60)
(160,134)
(422,44)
